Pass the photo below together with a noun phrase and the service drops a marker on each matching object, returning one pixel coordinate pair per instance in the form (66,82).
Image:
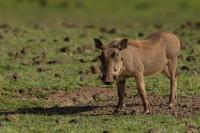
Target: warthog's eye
(99,57)
(115,54)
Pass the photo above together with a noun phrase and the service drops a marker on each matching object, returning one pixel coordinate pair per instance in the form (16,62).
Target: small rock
(106,131)
(113,30)
(66,39)
(83,77)
(197,25)
(55,40)
(55,62)
(183,47)
(64,4)
(64,50)
(38,59)
(198,41)
(30,40)
(140,34)
(4,26)
(84,49)
(68,25)
(185,68)
(41,69)
(74,121)
(191,58)
(10,118)
(101,37)
(43,3)
(80,72)
(189,24)
(180,57)
(15,76)
(106,30)
(57,75)
(153,130)
(21,91)
(43,40)
(23,51)
(182,26)
(89,26)
(158,26)
(103,29)
(105,119)
(82,61)
(59,121)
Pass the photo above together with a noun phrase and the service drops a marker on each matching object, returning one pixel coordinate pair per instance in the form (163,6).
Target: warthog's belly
(155,66)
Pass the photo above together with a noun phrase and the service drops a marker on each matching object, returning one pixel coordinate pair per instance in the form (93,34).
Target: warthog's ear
(99,44)
(123,44)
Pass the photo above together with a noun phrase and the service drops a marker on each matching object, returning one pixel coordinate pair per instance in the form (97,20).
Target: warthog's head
(111,59)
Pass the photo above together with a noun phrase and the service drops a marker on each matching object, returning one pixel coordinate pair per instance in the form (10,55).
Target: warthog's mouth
(108,83)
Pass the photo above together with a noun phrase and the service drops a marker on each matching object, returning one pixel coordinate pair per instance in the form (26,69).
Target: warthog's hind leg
(166,72)
(173,80)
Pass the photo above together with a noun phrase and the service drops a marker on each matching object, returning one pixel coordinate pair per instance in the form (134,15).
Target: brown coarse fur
(124,58)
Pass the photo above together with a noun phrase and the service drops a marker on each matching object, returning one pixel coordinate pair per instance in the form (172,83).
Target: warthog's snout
(107,79)
(107,83)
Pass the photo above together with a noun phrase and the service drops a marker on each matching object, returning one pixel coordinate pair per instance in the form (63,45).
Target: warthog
(124,58)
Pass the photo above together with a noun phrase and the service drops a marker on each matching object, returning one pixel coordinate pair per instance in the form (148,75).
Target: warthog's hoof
(147,111)
(171,105)
(117,111)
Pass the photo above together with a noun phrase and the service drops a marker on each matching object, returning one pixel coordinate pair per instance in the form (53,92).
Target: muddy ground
(102,101)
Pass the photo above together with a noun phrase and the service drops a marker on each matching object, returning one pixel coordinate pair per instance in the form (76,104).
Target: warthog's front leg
(121,94)
(142,92)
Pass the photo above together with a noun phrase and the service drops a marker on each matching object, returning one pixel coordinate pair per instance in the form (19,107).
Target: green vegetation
(47,46)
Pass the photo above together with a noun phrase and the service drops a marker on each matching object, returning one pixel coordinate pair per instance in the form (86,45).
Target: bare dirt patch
(81,97)
(102,101)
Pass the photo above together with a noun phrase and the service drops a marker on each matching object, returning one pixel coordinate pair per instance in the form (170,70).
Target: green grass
(128,17)
(90,124)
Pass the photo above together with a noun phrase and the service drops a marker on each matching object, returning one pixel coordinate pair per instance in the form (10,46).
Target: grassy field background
(47,46)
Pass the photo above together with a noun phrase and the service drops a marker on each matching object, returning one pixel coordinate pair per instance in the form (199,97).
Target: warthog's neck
(123,73)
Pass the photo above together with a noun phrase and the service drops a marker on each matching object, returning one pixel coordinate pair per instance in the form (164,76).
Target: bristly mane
(150,41)
(147,43)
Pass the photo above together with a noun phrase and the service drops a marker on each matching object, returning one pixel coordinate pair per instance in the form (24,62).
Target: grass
(90,124)
(41,29)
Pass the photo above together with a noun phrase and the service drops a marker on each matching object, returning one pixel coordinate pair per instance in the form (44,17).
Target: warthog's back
(168,42)
(151,54)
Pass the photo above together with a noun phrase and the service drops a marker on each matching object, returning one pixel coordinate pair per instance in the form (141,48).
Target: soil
(102,101)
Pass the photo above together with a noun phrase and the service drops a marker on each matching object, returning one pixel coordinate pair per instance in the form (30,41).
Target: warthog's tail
(181,44)
(177,73)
